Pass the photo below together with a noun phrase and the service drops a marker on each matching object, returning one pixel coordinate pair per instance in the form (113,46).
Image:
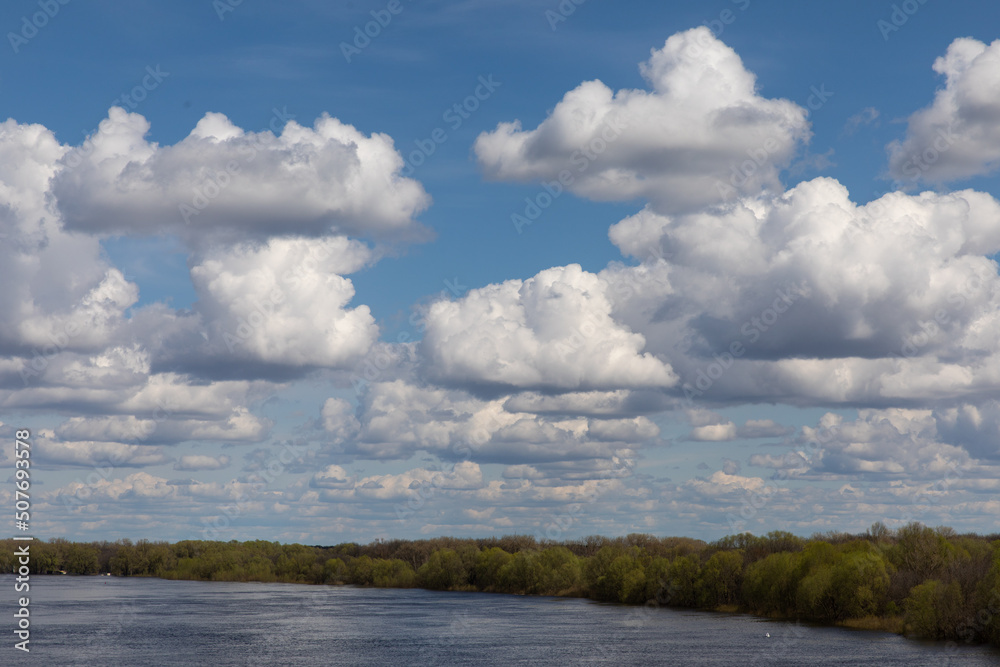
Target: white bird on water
(767,634)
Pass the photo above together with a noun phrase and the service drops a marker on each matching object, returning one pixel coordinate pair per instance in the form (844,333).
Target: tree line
(924,582)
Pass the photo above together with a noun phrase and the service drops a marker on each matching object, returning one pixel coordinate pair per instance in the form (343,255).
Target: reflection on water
(113,621)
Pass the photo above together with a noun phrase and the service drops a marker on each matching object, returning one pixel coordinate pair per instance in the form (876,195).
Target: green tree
(633,582)
(814,595)
(920,550)
(721,579)
(560,570)
(362,571)
(770,585)
(443,571)
(615,574)
(393,573)
(657,582)
(858,585)
(81,559)
(334,571)
(523,574)
(682,578)
(988,600)
(597,574)
(921,609)
(489,562)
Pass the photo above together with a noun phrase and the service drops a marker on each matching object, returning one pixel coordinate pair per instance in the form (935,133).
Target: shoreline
(916,582)
(885,625)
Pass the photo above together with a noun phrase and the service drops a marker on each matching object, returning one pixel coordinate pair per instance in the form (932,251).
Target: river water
(151,622)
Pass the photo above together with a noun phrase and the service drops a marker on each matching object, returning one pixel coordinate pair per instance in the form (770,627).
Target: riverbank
(917,581)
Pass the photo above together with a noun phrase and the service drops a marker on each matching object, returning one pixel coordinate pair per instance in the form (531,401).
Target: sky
(327,272)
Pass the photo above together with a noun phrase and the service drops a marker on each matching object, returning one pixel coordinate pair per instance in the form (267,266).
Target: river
(152,622)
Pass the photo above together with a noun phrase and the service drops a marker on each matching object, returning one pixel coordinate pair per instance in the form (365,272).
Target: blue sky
(407,360)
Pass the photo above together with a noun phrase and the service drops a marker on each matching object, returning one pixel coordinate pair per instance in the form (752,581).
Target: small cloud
(714,433)
(815,162)
(763,428)
(703,417)
(201,462)
(865,117)
(711,427)
(522,472)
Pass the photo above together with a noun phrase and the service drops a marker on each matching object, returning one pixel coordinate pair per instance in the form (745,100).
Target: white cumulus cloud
(701,134)
(958,135)
(553,331)
(223,182)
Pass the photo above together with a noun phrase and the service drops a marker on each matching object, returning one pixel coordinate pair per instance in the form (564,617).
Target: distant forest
(924,582)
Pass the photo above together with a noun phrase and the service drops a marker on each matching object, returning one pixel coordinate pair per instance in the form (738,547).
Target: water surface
(153,622)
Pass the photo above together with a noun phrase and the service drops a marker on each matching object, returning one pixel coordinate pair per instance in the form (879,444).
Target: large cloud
(700,135)
(552,332)
(283,302)
(824,300)
(72,341)
(58,292)
(224,182)
(958,136)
